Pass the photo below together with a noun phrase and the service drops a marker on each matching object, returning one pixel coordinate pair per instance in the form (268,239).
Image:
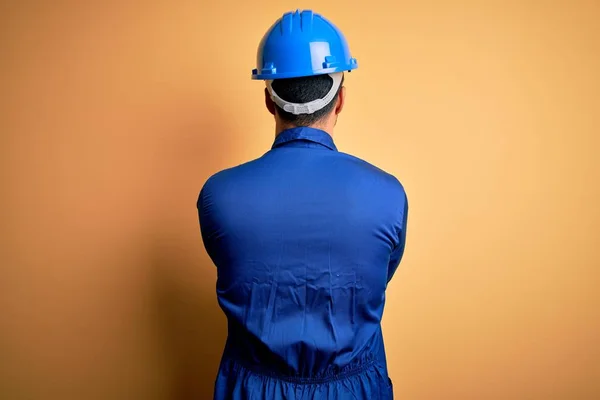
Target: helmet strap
(310,107)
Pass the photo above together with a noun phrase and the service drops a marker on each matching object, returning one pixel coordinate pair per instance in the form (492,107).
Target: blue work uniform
(305,240)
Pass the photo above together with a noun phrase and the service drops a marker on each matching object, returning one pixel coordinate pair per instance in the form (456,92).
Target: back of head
(305,90)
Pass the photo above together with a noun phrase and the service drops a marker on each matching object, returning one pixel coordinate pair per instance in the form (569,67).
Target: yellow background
(113,115)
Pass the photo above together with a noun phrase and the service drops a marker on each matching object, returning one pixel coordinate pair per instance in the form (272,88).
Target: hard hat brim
(301,74)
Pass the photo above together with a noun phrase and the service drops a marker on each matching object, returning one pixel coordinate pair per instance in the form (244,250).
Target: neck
(281,126)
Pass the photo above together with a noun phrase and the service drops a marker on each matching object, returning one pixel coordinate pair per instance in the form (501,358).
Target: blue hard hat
(302,44)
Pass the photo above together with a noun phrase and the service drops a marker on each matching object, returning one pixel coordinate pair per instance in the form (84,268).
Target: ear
(339,106)
(269,102)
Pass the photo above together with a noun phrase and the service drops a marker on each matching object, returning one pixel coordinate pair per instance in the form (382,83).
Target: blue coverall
(305,240)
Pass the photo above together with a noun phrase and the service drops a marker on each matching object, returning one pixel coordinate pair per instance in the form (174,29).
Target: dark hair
(304,90)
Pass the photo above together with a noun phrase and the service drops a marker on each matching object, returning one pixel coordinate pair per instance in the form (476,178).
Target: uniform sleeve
(207,228)
(398,250)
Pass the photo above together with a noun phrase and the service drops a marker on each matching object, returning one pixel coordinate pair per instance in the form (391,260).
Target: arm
(398,250)
(206,225)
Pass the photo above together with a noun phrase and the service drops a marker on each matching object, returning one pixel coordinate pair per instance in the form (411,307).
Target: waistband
(238,366)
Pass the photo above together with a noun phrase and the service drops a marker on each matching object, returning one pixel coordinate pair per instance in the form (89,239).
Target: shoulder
(222,182)
(229,175)
(375,174)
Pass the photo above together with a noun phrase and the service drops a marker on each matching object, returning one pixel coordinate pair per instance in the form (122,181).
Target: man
(305,238)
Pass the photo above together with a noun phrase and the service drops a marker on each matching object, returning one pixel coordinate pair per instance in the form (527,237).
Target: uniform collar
(305,133)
